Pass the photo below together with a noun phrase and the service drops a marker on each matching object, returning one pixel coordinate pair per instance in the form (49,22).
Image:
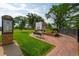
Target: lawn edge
(49,50)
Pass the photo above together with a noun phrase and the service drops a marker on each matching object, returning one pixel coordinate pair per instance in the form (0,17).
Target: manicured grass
(48,30)
(0,39)
(29,45)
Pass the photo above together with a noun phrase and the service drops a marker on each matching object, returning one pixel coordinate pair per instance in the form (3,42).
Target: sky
(21,9)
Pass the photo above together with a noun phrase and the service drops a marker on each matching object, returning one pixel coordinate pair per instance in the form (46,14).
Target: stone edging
(32,35)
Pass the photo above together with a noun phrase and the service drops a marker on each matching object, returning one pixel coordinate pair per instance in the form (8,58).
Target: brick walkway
(65,45)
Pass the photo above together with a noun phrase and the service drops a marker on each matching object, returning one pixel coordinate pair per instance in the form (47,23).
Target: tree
(62,13)
(49,26)
(21,21)
(74,19)
(22,24)
(34,18)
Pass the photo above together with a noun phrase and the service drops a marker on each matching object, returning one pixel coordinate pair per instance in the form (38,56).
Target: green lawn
(31,46)
(0,39)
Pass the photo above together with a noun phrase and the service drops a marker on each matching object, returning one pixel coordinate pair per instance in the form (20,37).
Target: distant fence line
(71,32)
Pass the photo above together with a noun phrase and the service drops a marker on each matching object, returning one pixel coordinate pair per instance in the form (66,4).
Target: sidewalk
(65,45)
(10,50)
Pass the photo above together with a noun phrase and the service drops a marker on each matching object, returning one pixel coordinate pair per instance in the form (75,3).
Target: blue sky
(21,9)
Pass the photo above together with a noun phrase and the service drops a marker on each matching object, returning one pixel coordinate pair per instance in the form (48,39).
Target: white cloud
(26,1)
(6,6)
(23,5)
(3,1)
(8,9)
(39,1)
(40,12)
(35,10)
(12,13)
(11,7)
(15,9)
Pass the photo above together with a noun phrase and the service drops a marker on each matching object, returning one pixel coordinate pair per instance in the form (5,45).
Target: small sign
(7,29)
(39,25)
(7,26)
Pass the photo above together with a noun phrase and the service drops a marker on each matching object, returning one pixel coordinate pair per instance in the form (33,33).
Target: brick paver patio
(65,45)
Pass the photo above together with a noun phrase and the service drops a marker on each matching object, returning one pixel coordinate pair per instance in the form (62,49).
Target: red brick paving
(65,45)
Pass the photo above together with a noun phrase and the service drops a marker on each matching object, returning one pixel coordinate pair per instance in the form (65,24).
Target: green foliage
(61,12)
(22,24)
(74,21)
(21,21)
(0,39)
(29,45)
(33,18)
(49,26)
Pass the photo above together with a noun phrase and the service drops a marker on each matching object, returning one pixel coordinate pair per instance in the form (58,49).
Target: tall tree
(61,13)
(34,18)
(74,16)
(21,21)
(22,24)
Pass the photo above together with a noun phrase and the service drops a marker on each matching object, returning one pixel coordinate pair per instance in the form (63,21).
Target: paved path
(65,45)
(10,50)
